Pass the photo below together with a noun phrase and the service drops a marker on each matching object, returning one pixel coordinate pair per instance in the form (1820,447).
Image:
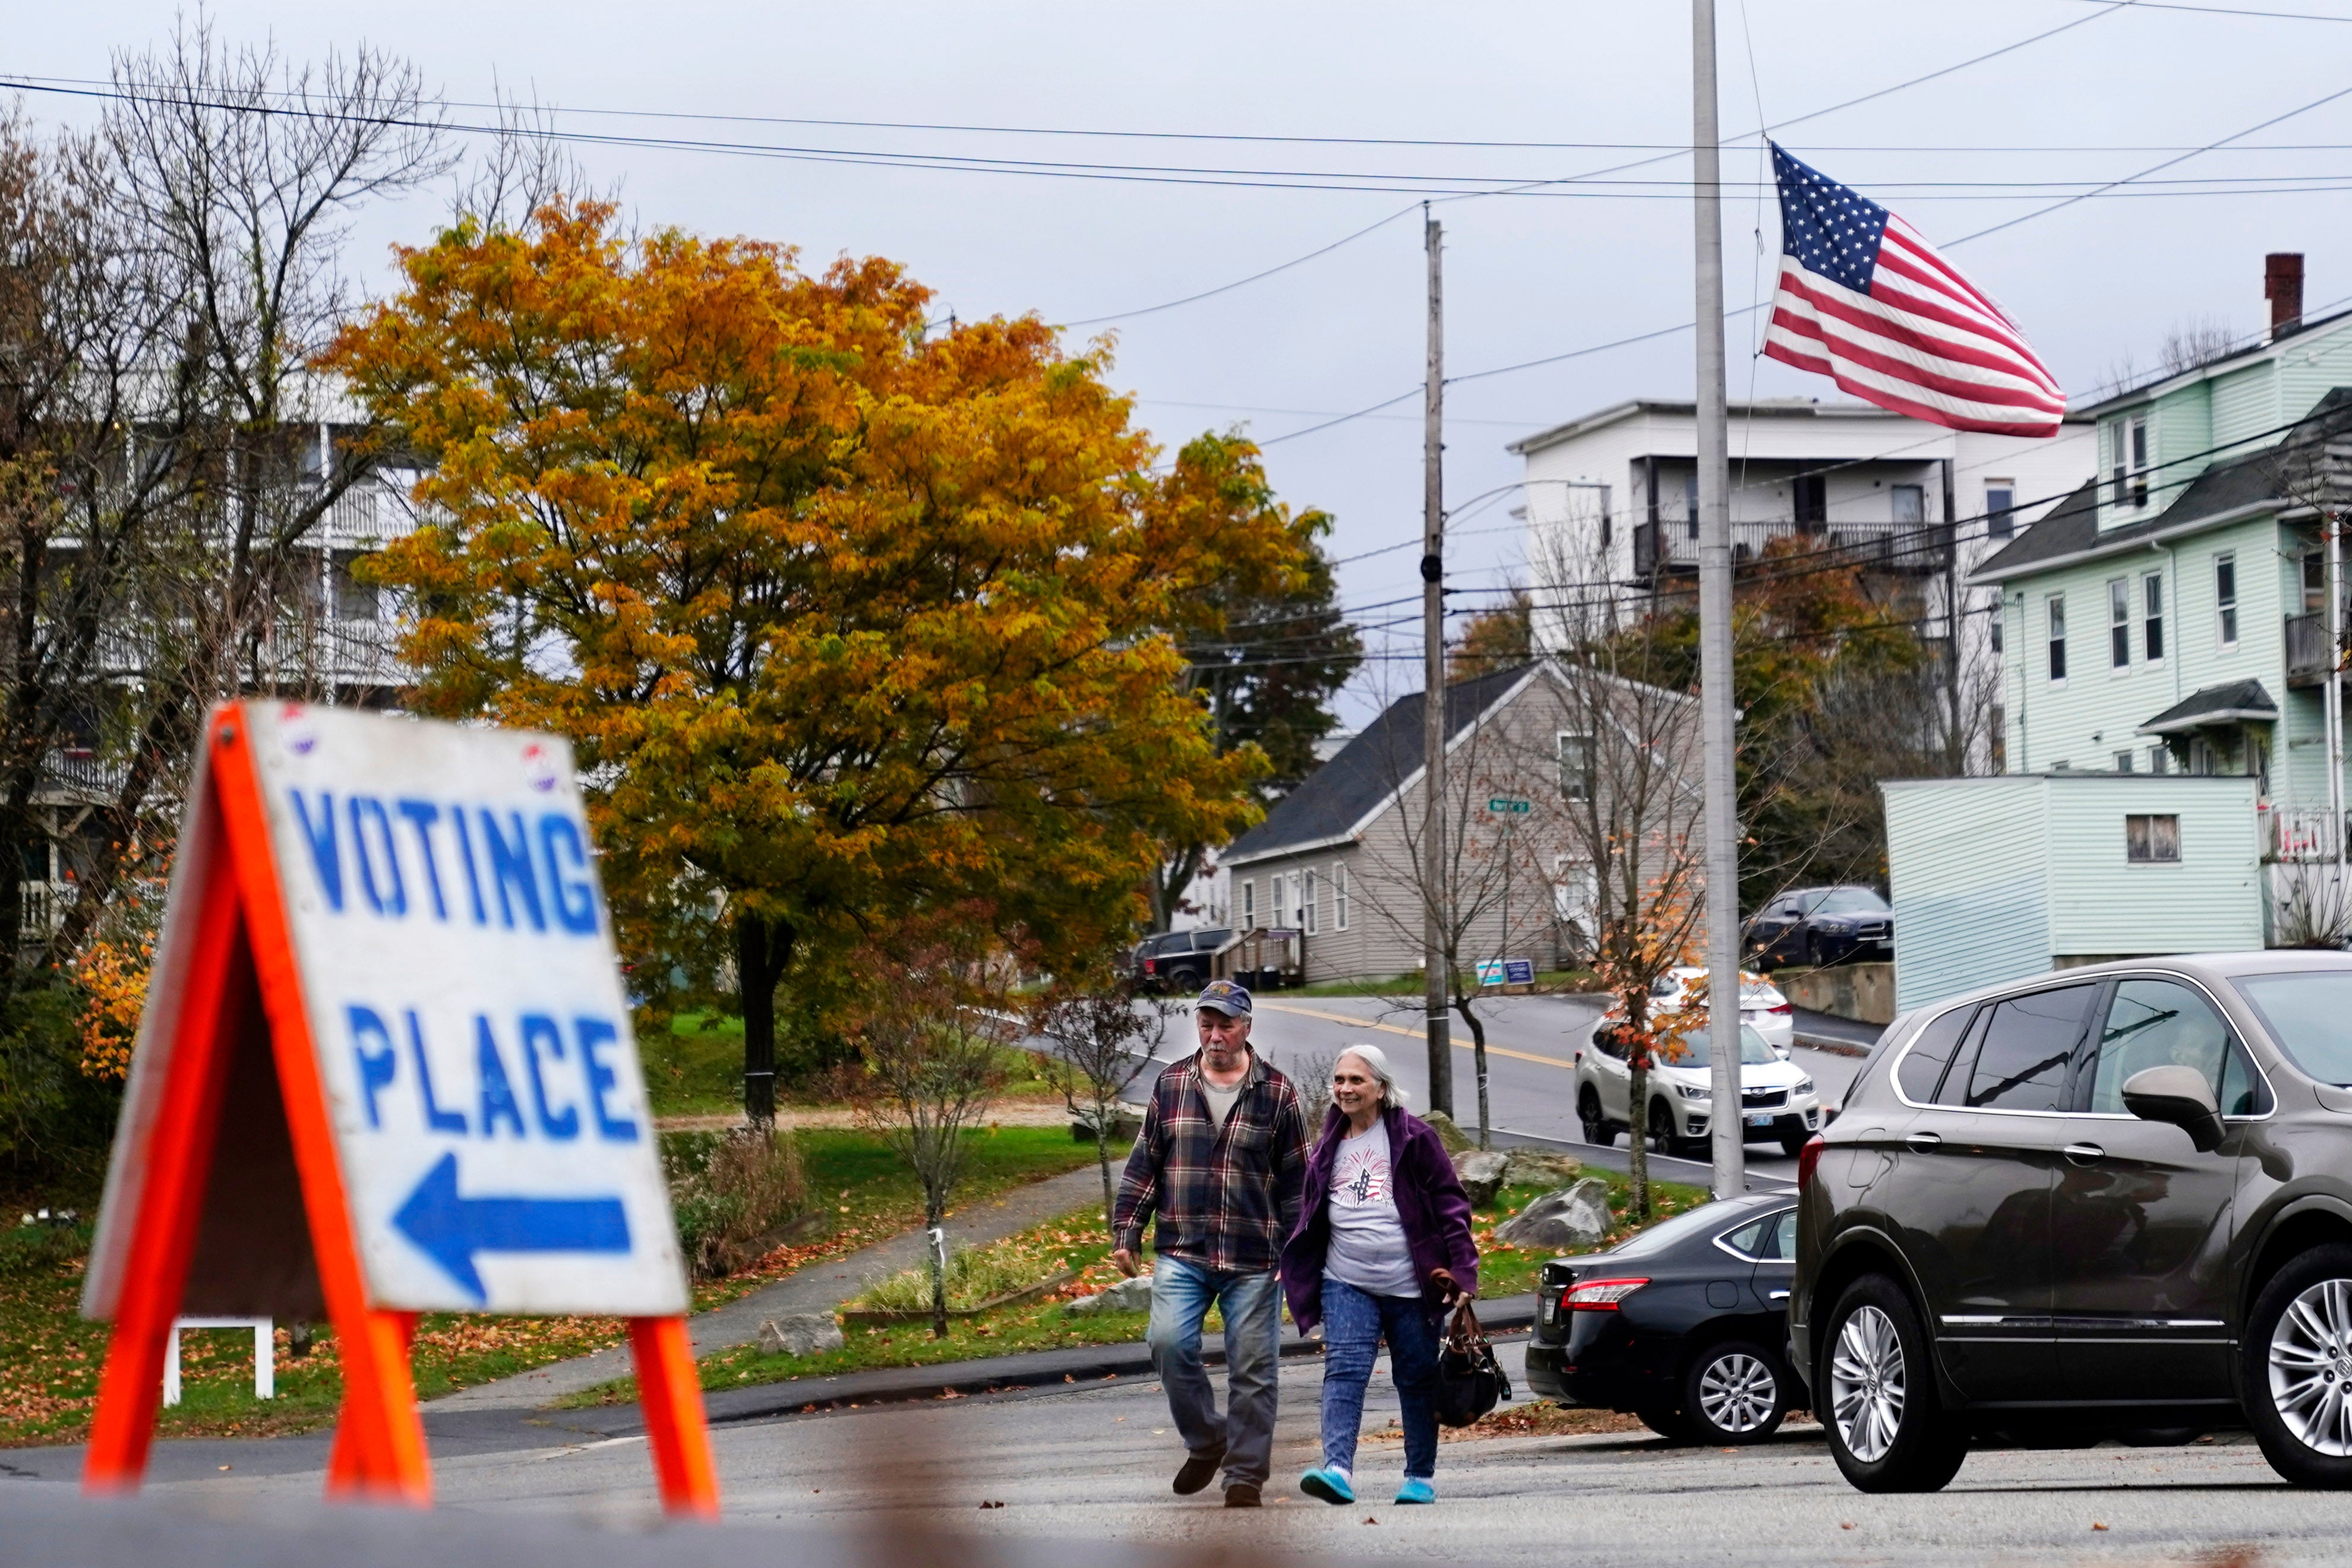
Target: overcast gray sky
(1558,269)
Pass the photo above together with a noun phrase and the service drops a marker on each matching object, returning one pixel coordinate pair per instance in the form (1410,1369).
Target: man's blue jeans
(1252,1305)
(1353,1325)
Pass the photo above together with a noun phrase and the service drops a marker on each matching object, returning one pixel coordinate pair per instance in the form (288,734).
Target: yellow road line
(1409,1033)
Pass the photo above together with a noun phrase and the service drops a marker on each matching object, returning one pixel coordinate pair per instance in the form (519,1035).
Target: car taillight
(1602,1295)
(1807,1158)
(1783,1010)
(1151,966)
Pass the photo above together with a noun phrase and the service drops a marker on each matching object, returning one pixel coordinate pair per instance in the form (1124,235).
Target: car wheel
(1792,1143)
(1887,1429)
(2298,1368)
(1662,1129)
(1597,1129)
(1186,980)
(1666,1422)
(1735,1391)
(1814,959)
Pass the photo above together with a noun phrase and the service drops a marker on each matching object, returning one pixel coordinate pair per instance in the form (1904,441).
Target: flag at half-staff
(1865,301)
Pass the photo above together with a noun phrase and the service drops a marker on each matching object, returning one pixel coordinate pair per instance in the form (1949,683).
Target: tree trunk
(1637,1112)
(760,949)
(1462,1005)
(1104,1115)
(935,1216)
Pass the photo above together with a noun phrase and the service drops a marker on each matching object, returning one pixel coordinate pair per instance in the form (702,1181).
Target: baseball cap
(1226,997)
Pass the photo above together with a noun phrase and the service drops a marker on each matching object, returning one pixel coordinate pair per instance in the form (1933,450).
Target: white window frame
(1583,777)
(2136,436)
(2001,517)
(1310,902)
(1277,895)
(2053,609)
(1340,895)
(2151,617)
(2225,604)
(1249,904)
(2119,624)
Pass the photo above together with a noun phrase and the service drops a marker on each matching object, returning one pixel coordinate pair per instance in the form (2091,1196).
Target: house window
(2119,623)
(1575,765)
(2160,758)
(1310,906)
(2127,462)
(2000,508)
(2123,762)
(1249,905)
(2057,637)
(2139,461)
(2225,598)
(1993,627)
(2152,839)
(2315,583)
(1340,895)
(354,600)
(1910,504)
(1274,888)
(1690,501)
(1999,725)
(2151,611)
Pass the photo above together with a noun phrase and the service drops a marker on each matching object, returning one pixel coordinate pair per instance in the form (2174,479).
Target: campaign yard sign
(386,1068)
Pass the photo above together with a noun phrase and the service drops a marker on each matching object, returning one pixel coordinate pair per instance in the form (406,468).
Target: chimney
(2283,287)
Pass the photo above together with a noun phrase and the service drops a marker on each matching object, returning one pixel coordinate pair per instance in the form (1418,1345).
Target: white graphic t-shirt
(1368,1248)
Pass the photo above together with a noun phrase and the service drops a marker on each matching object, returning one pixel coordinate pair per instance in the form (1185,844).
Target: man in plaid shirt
(1219,1162)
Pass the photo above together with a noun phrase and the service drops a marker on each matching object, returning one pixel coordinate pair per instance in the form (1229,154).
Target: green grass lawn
(1077,1241)
(49,1358)
(696,1068)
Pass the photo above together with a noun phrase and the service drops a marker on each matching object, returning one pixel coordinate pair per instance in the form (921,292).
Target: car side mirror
(2179,1096)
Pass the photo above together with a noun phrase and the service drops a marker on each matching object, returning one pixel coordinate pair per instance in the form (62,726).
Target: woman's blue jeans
(1354,1323)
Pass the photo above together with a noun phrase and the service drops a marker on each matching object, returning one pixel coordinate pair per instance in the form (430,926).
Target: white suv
(1777,1098)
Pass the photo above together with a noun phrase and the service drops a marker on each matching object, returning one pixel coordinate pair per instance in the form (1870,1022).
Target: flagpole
(1728,1127)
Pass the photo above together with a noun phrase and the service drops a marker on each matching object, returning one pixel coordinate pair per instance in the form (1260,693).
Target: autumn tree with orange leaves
(849,620)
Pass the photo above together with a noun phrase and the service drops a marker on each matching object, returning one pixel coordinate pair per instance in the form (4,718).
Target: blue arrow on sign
(451,1229)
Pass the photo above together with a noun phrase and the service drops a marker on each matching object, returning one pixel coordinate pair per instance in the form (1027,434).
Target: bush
(975,1275)
(732,1192)
(56,1121)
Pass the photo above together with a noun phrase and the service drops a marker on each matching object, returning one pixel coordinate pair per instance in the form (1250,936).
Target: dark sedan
(1684,1325)
(1818,925)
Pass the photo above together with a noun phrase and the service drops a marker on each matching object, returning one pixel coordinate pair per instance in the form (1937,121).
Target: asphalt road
(1091,1465)
(1531,1045)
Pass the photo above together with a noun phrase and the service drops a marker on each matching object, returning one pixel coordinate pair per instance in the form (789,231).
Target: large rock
(1571,1219)
(1540,1167)
(1482,1173)
(1127,1296)
(1455,1139)
(799,1334)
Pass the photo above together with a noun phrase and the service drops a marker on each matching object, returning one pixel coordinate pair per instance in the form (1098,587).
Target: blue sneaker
(1328,1484)
(1416,1490)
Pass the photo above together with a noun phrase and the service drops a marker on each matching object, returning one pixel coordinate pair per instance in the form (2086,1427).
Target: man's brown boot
(1199,1470)
(1242,1494)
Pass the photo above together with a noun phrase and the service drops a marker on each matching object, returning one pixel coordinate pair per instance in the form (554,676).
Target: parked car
(1817,926)
(2111,1201)
(1177,961)
(1761,1006)
(1685,1324)
(1777,1098)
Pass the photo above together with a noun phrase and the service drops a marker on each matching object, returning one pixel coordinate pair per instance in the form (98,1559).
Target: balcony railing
(2297,833)
(1888,546)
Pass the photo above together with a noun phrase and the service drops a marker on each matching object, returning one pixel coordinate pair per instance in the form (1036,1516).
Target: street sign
(387,1011)
(1508,806)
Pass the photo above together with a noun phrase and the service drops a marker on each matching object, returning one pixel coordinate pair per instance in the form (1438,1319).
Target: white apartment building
(1610,506)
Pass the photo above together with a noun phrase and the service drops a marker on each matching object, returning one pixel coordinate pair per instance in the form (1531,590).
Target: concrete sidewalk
(818,1287)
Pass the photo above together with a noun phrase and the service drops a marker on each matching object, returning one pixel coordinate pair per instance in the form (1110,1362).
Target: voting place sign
(464,999)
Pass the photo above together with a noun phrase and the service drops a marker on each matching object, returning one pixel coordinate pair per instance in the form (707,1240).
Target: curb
(1004,1374)
(1831,1044)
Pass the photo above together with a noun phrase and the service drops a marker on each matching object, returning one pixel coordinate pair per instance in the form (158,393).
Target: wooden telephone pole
(1432,700)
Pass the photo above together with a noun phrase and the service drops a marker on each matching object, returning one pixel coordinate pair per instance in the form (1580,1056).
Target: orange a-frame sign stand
(242,960)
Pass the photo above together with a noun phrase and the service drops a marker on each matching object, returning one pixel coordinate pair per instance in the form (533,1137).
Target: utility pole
(1729,1127)
(1432,700)
(2331,524)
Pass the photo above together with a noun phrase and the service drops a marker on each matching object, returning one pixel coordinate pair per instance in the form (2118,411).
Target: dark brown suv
(2114,1200)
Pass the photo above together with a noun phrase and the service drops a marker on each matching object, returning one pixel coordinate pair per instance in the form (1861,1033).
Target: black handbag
(1470,1381)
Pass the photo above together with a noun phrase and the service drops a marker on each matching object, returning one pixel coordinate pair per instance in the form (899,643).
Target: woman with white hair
(1382,1249)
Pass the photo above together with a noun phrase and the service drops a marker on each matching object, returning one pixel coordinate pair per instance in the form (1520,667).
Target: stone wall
(1863,992)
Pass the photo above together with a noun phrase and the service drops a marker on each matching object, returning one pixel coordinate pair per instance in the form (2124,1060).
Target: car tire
(1814,959)
(1662,1129)
(1666,1422)
(1598,1128)
(1186,980)
(1875,1391)
(1735,1391)
(2298,1395)
(1792,1143)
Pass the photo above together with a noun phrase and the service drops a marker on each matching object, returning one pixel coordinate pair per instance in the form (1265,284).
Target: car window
(2309,1016)
(2157,1023)
(1784,1235)
(2022,1053)
(1851,901)
(1923,1065)
(1692,1047)
(1667,1232)
(1771,1239)
(1606,1040)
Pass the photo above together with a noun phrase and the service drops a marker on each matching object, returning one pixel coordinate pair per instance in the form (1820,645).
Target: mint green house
(2169,616)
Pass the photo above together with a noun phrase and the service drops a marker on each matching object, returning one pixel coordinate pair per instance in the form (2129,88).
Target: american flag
(1865,301)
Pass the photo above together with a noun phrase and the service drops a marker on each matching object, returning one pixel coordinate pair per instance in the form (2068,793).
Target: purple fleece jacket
(1431,1204)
